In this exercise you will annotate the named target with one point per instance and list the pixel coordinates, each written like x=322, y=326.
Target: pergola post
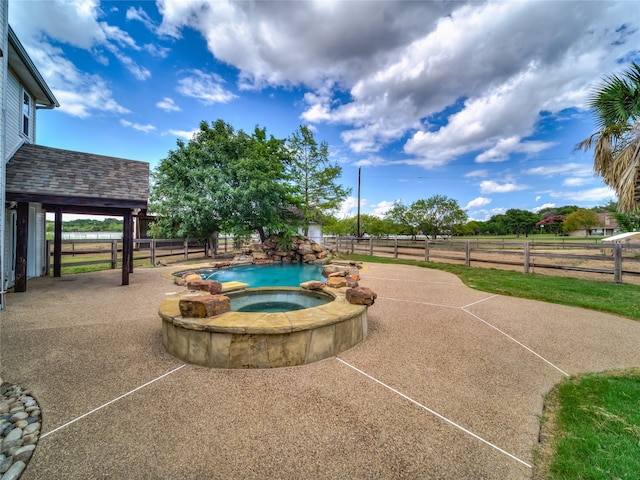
x=22, y=242
x=57, y=243
x=127, y=247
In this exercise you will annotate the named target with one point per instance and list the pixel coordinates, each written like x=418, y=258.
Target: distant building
x=608, y=226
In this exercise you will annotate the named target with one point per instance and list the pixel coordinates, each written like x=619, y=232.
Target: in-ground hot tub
x=276, y=300
x=262, y=339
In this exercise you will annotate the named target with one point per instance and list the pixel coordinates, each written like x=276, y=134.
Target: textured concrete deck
x=448, y=384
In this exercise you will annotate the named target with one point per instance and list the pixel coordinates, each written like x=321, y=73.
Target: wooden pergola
x=65, y=181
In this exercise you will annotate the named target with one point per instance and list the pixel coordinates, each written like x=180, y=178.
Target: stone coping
x=262, y=323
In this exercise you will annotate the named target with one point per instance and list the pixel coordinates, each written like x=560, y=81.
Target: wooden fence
x=593, y=260
x=95, y=252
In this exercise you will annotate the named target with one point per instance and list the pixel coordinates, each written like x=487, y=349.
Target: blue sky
x=479, y=101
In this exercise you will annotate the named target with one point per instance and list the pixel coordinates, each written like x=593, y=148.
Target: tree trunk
x=213, y=244
x=262, y=235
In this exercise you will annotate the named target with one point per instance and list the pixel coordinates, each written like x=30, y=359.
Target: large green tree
x=400, y=220
x=615, y=103
x=520, y=221
x=437, y=215
x=314, y=177
x=222, y=180
x=581, y=219
x=496, y=225
x=369, y=225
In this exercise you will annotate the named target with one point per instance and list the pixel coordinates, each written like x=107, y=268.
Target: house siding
x=14, y=115
x=11, y=89
x=5, y=243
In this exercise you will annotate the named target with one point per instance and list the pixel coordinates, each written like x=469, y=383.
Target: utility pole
x=358, y=228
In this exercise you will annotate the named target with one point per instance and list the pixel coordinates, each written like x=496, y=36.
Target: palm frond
x=624, y=173
x=603, y=157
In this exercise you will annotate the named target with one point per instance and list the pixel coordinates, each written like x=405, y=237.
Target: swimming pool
x=275, y=275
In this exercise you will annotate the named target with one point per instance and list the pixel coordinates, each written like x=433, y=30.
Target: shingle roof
x=39, y=170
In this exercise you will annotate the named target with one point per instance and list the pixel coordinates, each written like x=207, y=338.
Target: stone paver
x=448, y=384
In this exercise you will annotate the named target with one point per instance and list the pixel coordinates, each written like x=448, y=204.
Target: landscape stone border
x=20, y=425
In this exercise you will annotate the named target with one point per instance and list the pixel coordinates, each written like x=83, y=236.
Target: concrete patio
x=449, y=384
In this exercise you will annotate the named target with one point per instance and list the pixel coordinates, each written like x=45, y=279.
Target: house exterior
x=22, y=92
x=608, y=225
x=36, y=179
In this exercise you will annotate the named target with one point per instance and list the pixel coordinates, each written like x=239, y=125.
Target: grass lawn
x=591, y=425
x=620, y=299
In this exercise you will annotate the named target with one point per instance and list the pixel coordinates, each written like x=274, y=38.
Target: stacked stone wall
x=272, y=250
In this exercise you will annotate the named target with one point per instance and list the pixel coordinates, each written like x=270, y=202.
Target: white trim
x=31, y=114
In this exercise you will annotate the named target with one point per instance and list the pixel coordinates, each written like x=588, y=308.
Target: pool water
x=272, y=301
x=276, y=275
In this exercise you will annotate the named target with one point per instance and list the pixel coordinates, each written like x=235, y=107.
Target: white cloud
x=206, y=87
x=381, y=208
x=576, y=181
x=140, y=15
x=139, y=72
x=137, y=126
x=542, y=207
x=600, y=194
x=349, y=207
x=538, y=197
x=156, y=50
x=168, y=105
x=477, y=203
x=76, y=23
x=79, y=94
x=186, y=134
x=385, y=66
x=372, y=161
x=551, y=170
x=380, y=72
x=477, y=174
x=506, y=146
x=484, y=215
x=491, y=186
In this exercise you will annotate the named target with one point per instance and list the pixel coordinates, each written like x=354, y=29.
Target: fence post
x=395, y=247
x=186, y=250
x=152, y=250
x=426, y=250
x=371, y=246
x=526, y=257
x=114, y=254
x=617, y=262
x=467, y=259
x=353, y=245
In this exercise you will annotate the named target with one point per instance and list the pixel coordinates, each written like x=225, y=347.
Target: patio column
x=57, y=243
x=22, y=243
x=127, y=247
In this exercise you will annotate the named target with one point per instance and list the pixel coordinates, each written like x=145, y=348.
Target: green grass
x=619, y=299
x=595, y=433
x=597, y=427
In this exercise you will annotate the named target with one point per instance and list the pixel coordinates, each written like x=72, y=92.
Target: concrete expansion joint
x=465, y=308
x=434, y=413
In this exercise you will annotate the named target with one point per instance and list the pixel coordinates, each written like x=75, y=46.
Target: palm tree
x=616, y=157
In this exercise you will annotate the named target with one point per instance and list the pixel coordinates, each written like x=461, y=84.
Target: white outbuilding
x=627, y=237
